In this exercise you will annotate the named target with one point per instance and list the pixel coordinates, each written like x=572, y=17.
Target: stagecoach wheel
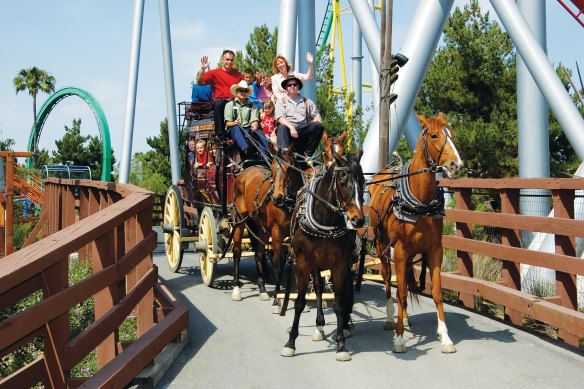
x=208, y=233
x=172, y=225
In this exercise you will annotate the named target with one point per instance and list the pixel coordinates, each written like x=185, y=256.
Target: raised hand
x=309, y=58
x=205, y=62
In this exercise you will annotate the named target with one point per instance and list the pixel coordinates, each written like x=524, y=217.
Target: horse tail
x=289, y=264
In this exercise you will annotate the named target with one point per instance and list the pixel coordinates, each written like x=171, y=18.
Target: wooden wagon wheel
x=208, y=234
x=173, y=224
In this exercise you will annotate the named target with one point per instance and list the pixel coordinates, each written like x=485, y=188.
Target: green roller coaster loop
x=48, y=106
x=325, y=29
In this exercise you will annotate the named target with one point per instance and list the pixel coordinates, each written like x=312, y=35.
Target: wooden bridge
x=238, y=343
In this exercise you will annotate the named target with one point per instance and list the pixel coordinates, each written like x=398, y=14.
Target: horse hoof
x=318, y=335
x=264, y=296
x=343, y=356
x=406, y=322
x=236, y=297
x=448, y=348
x=275, y=309
x=399, y=348
x=347, y=333
x=389, y=325
x=288, y=352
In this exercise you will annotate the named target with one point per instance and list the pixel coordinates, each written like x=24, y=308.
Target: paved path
x=238, y=344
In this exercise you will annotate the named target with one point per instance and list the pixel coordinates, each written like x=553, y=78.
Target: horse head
x=438, y=145
x=330, y=144
x=348, y=184
x=286, y=175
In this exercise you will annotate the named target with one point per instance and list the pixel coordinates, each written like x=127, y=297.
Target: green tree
x=472, y=79
x=80, y=150
x=260, y=50
x=34, y=80
x=7, y=144
x=152, y=170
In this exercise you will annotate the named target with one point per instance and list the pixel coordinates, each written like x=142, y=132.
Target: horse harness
x=304, y=217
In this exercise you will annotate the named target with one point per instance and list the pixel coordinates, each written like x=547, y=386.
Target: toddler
x=267, y=120
x=202, y=160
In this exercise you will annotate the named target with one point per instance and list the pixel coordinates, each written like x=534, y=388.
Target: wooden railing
x=560, y=311
x=110, y=225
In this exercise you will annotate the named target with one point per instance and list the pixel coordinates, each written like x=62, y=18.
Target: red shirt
x=221, y=81
x=202, y=158
x=268, y=124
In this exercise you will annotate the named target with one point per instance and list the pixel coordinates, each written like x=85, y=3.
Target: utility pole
x=385, y=82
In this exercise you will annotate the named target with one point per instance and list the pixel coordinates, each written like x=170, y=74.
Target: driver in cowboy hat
x=243, y=115
x=298, y=119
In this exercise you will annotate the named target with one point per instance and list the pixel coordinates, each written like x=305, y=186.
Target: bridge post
x=566, y=287
x=511, y=270
x=462, y=197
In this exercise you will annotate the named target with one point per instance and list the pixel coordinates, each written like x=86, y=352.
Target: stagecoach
x=198, y=208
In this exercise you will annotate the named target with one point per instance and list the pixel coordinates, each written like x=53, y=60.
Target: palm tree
x=34, y=79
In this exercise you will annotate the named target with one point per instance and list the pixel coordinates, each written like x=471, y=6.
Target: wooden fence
x=111, y=225
x=561, y=310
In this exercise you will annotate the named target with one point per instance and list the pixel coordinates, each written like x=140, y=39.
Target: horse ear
x=441, y=116
x=343, y=137
x=422, y=120
x=359, y=154
x=290, y=150
x=324, y=137
x=272, y=148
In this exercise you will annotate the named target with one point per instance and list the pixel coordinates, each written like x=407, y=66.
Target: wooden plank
x=464, y=231
x=109, y=322
x=50, y=308
x=569, y=320
x=565, y=263
x=513, y=183
x=38, y=228
x=549, y=225
x=128, y=364
x=31, y=260
x=21, y=342
x=19, y=292
x=510, y=238
x=26, y=377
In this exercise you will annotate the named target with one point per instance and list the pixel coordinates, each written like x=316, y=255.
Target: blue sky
x=86, y=44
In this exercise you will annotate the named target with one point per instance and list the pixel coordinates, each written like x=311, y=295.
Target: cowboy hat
x=241, y=85
x=291, y=77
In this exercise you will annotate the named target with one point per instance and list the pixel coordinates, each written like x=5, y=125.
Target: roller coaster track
x=29, y=186
x=325, y=27
x=579, y=16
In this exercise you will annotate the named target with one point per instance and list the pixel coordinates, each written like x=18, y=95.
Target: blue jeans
x=236, y=133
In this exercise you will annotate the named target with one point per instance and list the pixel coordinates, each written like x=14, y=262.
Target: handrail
x=111, y=224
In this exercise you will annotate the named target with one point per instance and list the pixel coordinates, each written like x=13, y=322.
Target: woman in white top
x=282, y=70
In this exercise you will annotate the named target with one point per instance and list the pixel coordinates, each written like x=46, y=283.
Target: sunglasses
x=291, y=85
x=242, y=90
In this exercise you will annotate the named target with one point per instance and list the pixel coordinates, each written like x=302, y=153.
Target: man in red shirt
x=221, y=80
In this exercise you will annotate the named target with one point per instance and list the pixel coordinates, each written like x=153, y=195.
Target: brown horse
x=264, y=201
x=328, y=144
x=323, y=237
x=406, y=214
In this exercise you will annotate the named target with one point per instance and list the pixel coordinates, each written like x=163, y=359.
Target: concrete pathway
x=238, y=344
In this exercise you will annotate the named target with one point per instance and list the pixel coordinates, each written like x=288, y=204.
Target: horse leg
x=318, y=288
x=302, y=276
x=434, y=263
x=350, y=300
x=237, y=236
x=340, y=306
x=277, y=247
x=386, y=275
x=400, y=259
x=260, y=248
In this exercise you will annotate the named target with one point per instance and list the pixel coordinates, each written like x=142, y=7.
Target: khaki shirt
x=296, y=111
x=247, y=113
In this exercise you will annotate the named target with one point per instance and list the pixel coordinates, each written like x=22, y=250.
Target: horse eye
x=434, y=136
